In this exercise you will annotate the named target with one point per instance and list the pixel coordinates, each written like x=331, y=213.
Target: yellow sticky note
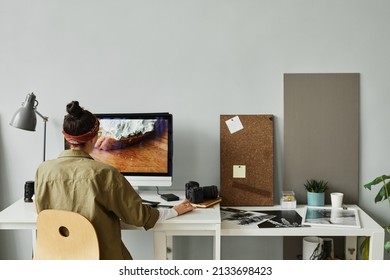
x=239, y=171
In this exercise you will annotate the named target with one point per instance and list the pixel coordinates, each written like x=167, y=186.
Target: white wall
x=195, y=58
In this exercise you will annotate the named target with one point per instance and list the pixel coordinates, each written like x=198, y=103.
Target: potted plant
x=316, y=192
x=382, y=195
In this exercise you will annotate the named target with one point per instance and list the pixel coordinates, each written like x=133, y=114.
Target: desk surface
x=368, y=226
x=22, y=215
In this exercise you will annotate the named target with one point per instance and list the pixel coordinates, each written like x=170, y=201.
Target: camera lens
x=210, y=192
x=28, y=191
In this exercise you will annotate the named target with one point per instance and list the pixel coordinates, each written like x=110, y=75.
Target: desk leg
x=34, y=241
x=377, y=243
x=169, y=247
x=160, y=245
x=350, y=247
x=217, y=243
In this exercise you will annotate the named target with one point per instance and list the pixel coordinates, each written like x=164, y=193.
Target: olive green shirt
x=75, y=182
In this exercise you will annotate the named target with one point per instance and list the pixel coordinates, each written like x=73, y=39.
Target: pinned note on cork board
x=246, y=155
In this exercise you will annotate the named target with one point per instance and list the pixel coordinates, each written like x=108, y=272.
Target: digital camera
x=196, y=194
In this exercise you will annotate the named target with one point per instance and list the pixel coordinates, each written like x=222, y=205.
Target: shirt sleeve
x=125, y=202
x=166, y=214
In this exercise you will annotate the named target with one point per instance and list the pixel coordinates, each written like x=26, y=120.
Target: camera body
x=197, y=194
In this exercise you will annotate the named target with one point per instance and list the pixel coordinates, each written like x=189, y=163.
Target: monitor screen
x=139, y=145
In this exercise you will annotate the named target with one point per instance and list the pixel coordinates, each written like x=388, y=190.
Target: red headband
x=83, y=138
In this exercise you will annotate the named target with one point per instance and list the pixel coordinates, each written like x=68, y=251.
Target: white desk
x=368, y=228
x=199, y=222
x=22, y=215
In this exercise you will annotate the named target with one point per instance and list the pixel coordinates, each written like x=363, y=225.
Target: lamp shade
x=25, y=117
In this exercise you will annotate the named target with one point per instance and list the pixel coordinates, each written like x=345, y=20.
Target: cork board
x=246, y=153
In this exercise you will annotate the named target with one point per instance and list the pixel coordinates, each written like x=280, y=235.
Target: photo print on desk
x=331, y=217
x=242, y=217
x=282, y=219
x=261, y=219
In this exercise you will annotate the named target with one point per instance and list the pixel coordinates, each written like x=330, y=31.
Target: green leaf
x=316, y=186
x=383, y=193
x=376, y=181
x=387, y=246
x=365, y=248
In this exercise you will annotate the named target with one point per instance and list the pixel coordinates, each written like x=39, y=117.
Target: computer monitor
x=139, y=145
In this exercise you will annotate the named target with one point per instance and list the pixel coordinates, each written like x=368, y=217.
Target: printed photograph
x=327, y=216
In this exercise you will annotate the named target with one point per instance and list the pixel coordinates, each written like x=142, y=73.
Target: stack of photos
x=282, y=219
x=261, y=219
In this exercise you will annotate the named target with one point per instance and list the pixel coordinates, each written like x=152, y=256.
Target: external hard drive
x=169, y=197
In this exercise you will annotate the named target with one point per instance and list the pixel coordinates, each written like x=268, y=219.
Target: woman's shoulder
x=104, y=167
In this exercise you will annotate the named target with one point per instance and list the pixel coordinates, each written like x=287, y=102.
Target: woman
x=76, y=182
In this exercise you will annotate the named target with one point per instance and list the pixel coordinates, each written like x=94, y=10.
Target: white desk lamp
x=25, y=118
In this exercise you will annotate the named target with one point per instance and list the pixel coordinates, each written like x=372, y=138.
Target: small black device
x=197, y=194
x=169, y=197
x=28, y=191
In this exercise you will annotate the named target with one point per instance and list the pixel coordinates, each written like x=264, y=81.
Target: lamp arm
x=45, y=119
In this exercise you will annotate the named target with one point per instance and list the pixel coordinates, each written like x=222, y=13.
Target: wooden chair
x=65, y=235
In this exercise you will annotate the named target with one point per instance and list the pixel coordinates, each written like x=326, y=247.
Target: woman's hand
x=184, y=207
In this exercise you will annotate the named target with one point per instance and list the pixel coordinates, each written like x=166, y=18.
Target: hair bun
x=74, y=109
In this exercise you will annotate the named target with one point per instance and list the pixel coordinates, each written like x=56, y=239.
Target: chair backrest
x=65, y=235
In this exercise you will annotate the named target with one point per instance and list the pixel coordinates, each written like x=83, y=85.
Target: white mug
x=336, y=199
x=312, y=248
